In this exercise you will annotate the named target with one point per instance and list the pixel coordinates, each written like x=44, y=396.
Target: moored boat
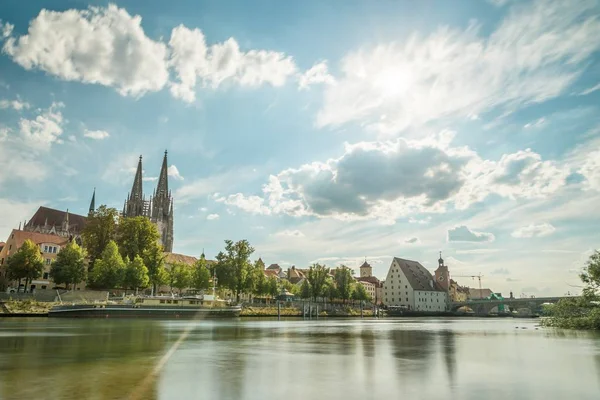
x=191, y=307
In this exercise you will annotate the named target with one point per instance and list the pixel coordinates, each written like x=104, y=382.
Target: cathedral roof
x=56, y=218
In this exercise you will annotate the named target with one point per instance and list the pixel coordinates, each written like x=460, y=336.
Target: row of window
x=386, y=300
x=50, y=249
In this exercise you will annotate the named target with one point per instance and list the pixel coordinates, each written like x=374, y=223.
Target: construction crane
x=473, y=277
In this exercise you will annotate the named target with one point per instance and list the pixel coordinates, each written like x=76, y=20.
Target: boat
x=165, y=307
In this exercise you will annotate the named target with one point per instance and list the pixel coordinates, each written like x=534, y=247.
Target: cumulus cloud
x=16, y=105
x=464, y=234
x=423, y=176
x=212, y=217
x=106, y=46
x=317, y=74
x=534, y=230
x=289, y=233
x=195, y=62
x=96, y=135
x=537, y=52
x=39, y=133
x=173, y=172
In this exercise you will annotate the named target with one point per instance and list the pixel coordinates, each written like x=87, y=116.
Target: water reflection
x=266, y=359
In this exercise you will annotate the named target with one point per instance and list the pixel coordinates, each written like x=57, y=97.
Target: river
x=268, y=359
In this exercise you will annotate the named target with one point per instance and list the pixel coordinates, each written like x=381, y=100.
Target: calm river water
x=325, y=359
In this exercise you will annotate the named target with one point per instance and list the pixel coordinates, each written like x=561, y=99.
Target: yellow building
x=457, y=293
x=50, y=246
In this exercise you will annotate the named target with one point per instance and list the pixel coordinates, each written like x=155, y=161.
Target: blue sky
x=319, y=131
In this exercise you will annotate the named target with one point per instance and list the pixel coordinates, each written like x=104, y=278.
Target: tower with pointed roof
x=442, y=274
x=92, y=204
x=158, y=208
x=366, y=270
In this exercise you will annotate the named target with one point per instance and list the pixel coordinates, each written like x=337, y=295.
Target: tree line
x=124, y=253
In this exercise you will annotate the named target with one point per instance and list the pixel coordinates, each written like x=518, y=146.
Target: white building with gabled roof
x=410, y=285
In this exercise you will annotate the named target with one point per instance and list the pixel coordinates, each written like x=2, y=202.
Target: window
x=392, y=299
x=46, y=275
x=2, y=261
x=10, y=247
x=48, y=261
x=46, y=249
x=407, y=299
x=406, y=286
x=44, y=287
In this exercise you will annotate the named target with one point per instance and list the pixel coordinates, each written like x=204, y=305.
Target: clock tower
x=442, y=275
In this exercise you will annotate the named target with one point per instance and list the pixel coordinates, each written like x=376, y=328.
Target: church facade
x=158, y=207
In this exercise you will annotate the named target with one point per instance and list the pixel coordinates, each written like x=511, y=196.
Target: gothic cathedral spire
x=92, y=204
x=162, y=189
x=137, y=190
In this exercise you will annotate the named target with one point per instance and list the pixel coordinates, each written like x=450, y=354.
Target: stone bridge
x=485, y=306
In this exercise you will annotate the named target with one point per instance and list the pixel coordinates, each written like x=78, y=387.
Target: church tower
x=442, y=275
x=159, y=208
x=366, y=270
x=162, y=208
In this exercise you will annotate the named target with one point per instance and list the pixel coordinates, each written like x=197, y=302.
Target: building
x=409, y=285
x=279, y=271
x=295, y=275
x=370, y=289
x=158, y=208
x=366, y=275
x=56, y=222
x=49, y=244
x=475, y=294
x=457, y=293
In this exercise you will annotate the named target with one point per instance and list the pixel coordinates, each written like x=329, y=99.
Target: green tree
x=343, y=282
x=305, y=290
x=136, y=274
x=135, y=236
x=330, y=290
x=256, y=281
x=26, y=263
x=360, y=293
x=154, y=260
x=233, y=266
x=286, y=285
x=317, y=276
x=201, y=274
x=109, y=270
x=580, y=312
x=591, y=276
x=180, y=276
x=69, y=267
x=272, y=287
x=99, y=230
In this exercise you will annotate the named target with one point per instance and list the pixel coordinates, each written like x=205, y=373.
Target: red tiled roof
x=37, y=238
x=274, y=266
x=270, y=272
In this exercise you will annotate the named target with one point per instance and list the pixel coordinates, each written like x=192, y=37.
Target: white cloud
x=498, y=3
x=12, y=212
x=289, y=233
x=590, y=90
x=536, y=124
x=535, y=54
x=173, y=172
x=5, y=29
x=72, y=138
x=464, y=234
x=421, y=221
x=412, y=240
x=96, y=135
x=478, y=251
x=422, y=176
x=45, y=129
x=16, y=105
x=212, y=217
x=211, y=66
x=534, y=230
x=203, y=209
x=150, y=178
x=106, y=46
x=317, y=74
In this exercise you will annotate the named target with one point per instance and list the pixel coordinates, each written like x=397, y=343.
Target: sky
x=320, y=131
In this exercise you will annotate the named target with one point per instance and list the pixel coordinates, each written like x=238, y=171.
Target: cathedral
x=158, y=208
